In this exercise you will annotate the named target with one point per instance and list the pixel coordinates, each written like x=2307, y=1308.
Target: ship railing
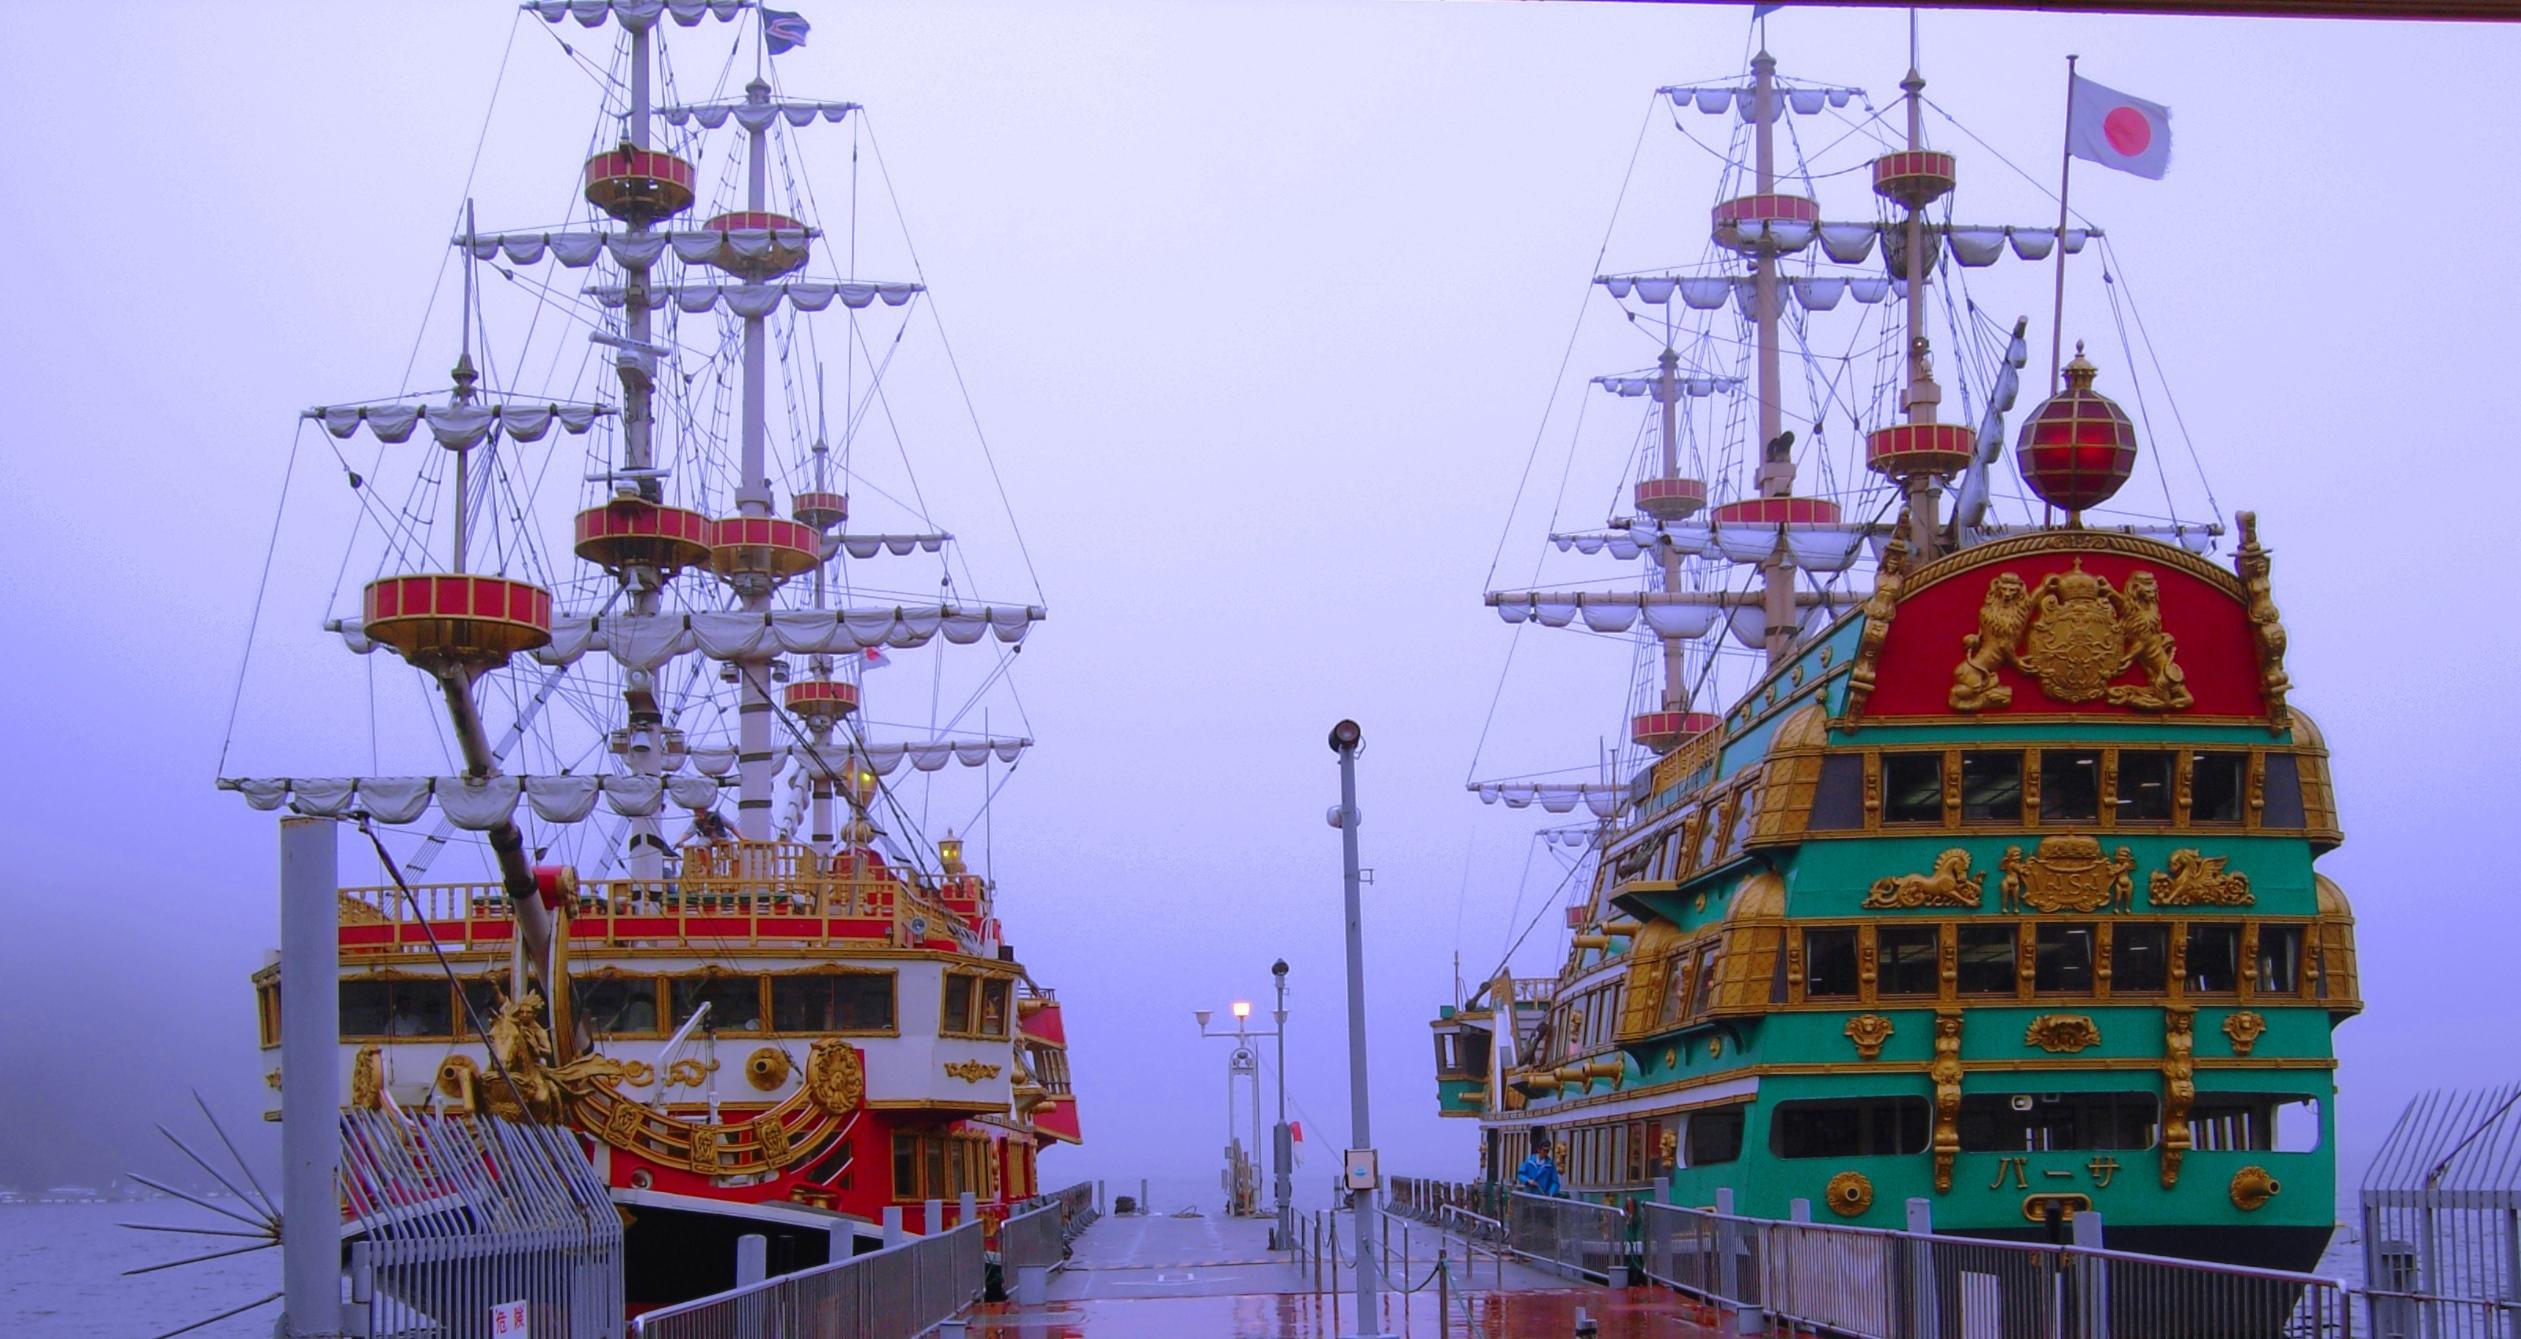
x=1576, y=1236
x=1037, y=1238
x=1076, y=1205
x=895, y=1293
x=628, y=911
x=1881, y=1284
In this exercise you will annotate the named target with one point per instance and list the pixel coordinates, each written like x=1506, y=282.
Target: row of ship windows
x=943, y=1166
x=1710, y=835
x=2113, y=787
x=2056, y=958
x=1634, y=1154
x=816, y=1004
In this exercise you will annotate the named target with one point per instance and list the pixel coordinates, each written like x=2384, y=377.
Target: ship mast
x=1921, y=398
x=644, y=746
x=752, y=499
x=1775, y=477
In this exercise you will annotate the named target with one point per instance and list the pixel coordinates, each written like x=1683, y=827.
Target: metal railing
x=1899, y=1285
x=460, y=1217
x=1076, y=1203
x=1036, y=1238
x=2441, y=1219
x=1589, y=1239
x=899, y=1292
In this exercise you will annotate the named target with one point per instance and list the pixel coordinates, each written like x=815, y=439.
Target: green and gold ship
x=1991, y=881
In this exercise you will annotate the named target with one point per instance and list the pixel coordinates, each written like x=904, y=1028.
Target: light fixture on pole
x=1359, y=1174
x=1244, y=1062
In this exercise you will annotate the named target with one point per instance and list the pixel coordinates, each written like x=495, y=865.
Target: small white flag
x=2108, y=127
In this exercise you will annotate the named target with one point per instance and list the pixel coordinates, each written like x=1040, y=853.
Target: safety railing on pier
x=1036, y=1238
x=2441, y=1219
x=896, y=1293
x=1900, y=1285
x=1586, y=1238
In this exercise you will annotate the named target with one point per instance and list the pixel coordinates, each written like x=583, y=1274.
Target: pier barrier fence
x=1037, y=1238
x=896, y=1293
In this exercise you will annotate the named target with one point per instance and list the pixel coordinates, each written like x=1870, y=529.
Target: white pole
x=2065, y=178
x=752, y=498
x=1344, y=740
x=310, y=1079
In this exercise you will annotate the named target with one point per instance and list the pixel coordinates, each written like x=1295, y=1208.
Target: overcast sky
x=1260, y=304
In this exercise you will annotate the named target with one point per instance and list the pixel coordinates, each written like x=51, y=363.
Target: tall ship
x=687, y=711
x=1957, y=842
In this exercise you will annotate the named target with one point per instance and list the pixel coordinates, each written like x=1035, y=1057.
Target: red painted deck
x=1206, y=1276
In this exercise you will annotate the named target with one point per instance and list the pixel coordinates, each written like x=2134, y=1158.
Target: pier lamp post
x=1282, y=1147
x=1359, y=1175
x=1246, y=1061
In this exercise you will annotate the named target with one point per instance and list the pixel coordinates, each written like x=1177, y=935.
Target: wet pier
x=1202, y=1276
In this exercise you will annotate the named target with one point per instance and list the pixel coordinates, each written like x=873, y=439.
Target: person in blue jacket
x=1538, y=1175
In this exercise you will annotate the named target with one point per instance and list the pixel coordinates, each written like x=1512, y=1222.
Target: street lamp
x=1245, y=1060
x=1360, y=1174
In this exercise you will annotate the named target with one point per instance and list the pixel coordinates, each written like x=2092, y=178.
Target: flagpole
x=2065, y=178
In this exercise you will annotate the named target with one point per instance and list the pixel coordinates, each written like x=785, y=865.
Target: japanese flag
x=2108, y=127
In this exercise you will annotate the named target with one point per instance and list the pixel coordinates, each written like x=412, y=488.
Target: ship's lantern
x=1913, y=177
x=634, y=532
x=638, y=186
x=823, y=511
x=1774, y=224
x=821, y=702
x=1920, y=450
x=2078, y=447
x=755, y=245
x=765, y=549
x=439, y=620
x=1671, y=499
x=1664, y=731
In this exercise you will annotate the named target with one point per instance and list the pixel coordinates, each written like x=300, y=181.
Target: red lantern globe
x=2078, y=447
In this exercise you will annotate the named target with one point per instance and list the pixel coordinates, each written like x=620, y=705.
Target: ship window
x=1986, y=965
x=1838, y=802
x=1848, y=1128
x=958, y=1003
x=975, y=1006
x=2214, y=958
x=1710, y=821
x=613, y=1006
x=993, y=1006
x=2144, y=786
x=2214, y=787
x=2279, y=960
x=2283, y=794
x=1991, y=787
x=735, y=1002
x=2070, y=786
x=1675, y=1003
x=1912, y=787
x=267, y=1001
x=1703, y=983
x=2050, y=1122
x=1829, y=964
x=485, y=995
x=2062, y=964
x=396, y=1008
x=1906, y=957
x=2140, y=959
x=1714, y=1136
x=832, y=1002
x=2255, y=1122
x=1745, y=810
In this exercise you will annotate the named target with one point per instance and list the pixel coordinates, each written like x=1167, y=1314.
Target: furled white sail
x=456, y=425
x=1695, y=385
x=1743, y=100
x=1556, y=797
x=577, y=248
x=806, y=295
x=867, y=546
x=645, y=641
x=636, y=15
x=755, y=115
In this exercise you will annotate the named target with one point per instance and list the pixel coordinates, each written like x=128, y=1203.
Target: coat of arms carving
x=2068, y=873
x=2072, y=633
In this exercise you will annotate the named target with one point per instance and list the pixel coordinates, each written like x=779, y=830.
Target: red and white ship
x=717, y=917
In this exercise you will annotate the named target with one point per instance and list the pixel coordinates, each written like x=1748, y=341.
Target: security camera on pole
x=1360, y=1176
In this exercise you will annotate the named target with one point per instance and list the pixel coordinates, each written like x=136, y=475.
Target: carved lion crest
x=2196, y=879
x=2073, y=633
x=1950, y=884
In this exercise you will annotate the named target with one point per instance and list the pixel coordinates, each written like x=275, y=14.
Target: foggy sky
x=1260, y=303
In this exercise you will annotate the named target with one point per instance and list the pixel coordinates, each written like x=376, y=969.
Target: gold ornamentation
x=709, y=1145
x=2061, y=1033
x=273, y=1079
x=1890, y=575
x=2072, y=634
x=1715, y=1048
x=457, y=1075
x=2251, y=1188
x=2244, y=1027
x=2035, y=1207
x=689, y=1072
x=1670, y=1145
x=1868, y=1032
x=970, y=1071
x=2196, y=879
x=1950, y=885
x=1671, y=1057
x=1849, y=1194
x=1945, y=1071
x=2266, y=625
x=2068, y=874
x=519, y=1087
x=773, y=1138
x=2179, y=1088
x=834, y=1077
x=367, y=1078
x=767, y=1068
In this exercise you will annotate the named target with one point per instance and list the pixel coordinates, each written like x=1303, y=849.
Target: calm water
x=61, y=1265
